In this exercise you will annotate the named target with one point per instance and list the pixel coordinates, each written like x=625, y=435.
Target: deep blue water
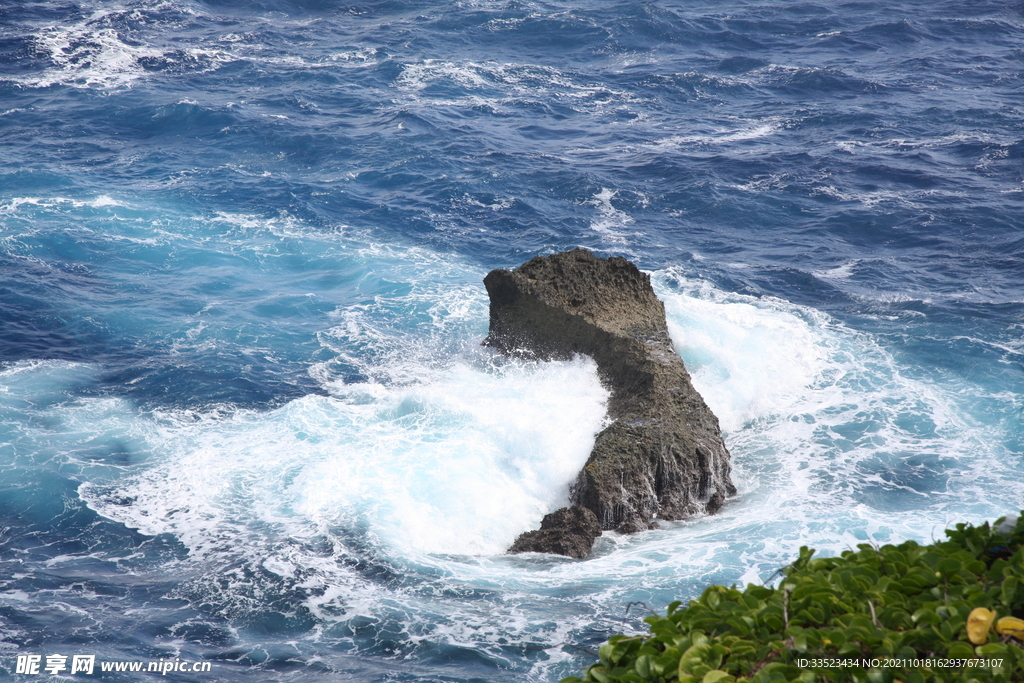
x=244, y=413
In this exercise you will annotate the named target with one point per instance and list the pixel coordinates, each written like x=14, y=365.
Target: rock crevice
x=663, y=456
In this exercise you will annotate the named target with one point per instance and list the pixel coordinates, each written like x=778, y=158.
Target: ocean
x=247, y=428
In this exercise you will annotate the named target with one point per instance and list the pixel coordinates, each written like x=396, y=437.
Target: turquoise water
x=245, y=416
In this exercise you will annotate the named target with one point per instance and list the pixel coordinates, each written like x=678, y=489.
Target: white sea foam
x=897, y=147
x=831, y=441
x=435, y=445
x=85, y=55
x=725, y=135
x=749, y=358
x=357, y=57
x=502, y=85
x=90, y=54
x=842, y=272
x=499, y=204
x=871, y=199
x=610, y=220
x=765, y=183
x=15, y=204
x=459, y=464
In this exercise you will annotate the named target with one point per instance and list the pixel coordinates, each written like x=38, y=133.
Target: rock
x=663, y=455
x=566, y=531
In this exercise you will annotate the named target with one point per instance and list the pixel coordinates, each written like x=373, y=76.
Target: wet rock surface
x=663, y=456
x=567, y=531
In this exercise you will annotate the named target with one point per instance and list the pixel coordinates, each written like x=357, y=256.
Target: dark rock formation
x=663, y=455
x=566, y=531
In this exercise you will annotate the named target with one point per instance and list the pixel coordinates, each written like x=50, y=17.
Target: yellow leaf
x=978, y=623
x=1011, y=626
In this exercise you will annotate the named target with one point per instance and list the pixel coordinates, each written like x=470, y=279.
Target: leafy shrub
x=876, y=615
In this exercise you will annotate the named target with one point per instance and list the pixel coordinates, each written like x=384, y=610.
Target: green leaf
x=667, y=662
x=960, y=650
x=718, y=676
x=876, y=676
x=694, y=657
x=700, y=669
x=645, y=666
x=1008, y=590
x=924, y=616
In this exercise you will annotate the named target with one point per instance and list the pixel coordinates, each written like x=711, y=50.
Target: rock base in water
x=566, y=531
x=663, y=455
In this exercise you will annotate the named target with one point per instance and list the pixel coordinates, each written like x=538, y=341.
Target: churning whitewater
x=246, y=419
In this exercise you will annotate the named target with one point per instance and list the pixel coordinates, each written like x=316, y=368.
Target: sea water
x=245, y=416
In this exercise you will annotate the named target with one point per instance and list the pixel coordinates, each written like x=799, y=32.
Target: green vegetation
x=877, y=615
